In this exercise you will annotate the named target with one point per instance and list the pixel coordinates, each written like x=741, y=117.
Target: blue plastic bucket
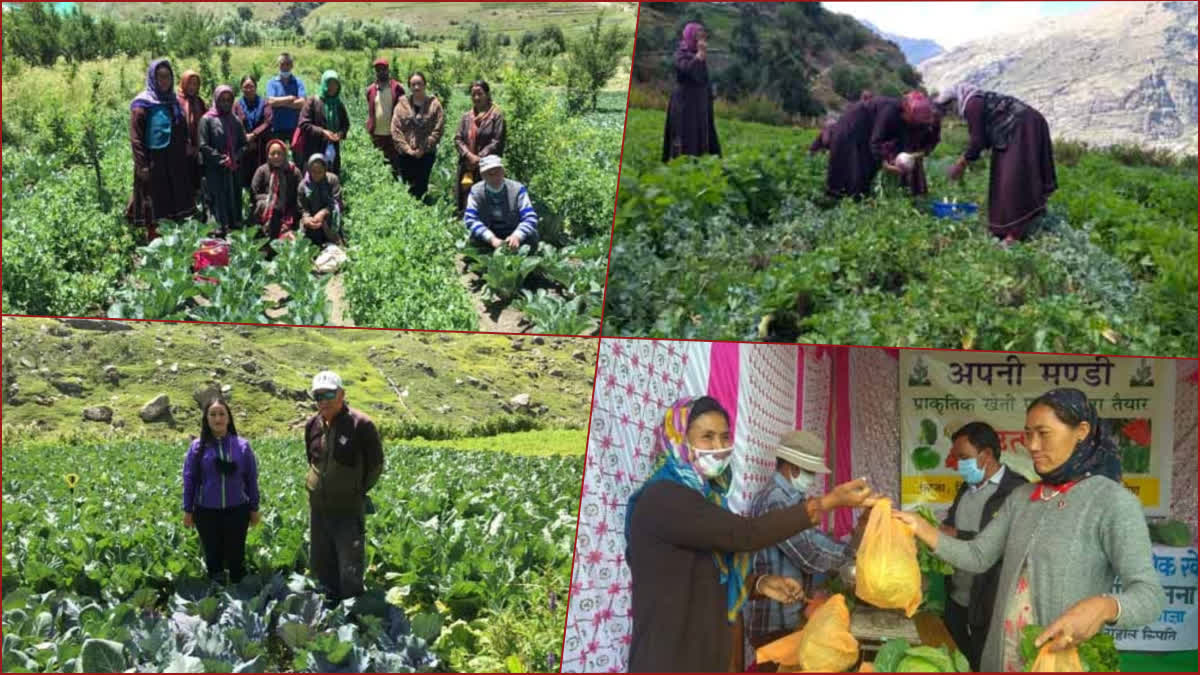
x=956, y=211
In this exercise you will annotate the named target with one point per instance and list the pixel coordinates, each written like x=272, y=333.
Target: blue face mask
x=970, y=471
x=285, y=75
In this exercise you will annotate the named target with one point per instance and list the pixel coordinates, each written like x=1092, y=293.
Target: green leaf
x=102, y=656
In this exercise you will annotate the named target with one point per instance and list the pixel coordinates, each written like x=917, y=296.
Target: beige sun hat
x=804, y=449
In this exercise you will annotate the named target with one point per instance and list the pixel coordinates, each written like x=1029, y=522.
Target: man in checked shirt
x=797, y=463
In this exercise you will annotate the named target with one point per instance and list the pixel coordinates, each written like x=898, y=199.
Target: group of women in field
x=894, y=134
x=193, y=159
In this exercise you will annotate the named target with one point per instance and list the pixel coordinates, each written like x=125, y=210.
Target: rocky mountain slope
x=111, y=379
x=1120, y=73
x=915, y=50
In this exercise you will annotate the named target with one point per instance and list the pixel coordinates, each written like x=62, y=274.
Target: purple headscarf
x=690, y=31
x=151, y=97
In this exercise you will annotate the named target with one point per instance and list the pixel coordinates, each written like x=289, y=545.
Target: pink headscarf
x=918, y=108
x=690, y=31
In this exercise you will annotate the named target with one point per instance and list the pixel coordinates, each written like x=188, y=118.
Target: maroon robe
x=1022, y=175
x=691, y=128
x=313, y=122
x=162, y=188
x=867, y=134
x=194, y=108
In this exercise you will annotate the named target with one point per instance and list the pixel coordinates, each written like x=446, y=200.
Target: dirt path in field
x=339, y=310
x=492, y=318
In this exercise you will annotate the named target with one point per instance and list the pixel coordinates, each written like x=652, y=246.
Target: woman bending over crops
x=220, y=492
x=320, y=200
x=256, y=117
x=690, y=555
x=918, y=142
x=275, y=190
x=870, y=135
x=691, y=128
x=324, y=122
x=1022, y=175
x=158, y=134
x=1062, y=540
x=481, y=132
x=222, y=141
x=417, y=126
x=194, y=108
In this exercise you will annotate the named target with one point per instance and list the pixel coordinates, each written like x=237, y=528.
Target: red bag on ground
x=212, y=253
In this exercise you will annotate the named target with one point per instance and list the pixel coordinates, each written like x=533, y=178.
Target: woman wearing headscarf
x=324, y=122
x=158, y=135
x=691, y=128
x=690, y=555
x=194, y=108
x=275, y=189
x=481, y=132
x=220, y=492
x=418, y=123
x=1063, y=540
x=1022, y=175
x=222, y=141
x=868, y=136
x=256, y=117
x=919, y=140
x=320, y=200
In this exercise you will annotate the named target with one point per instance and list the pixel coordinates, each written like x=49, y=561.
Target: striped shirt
x=515, y=212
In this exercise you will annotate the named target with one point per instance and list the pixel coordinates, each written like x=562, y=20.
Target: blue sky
x=953, y=23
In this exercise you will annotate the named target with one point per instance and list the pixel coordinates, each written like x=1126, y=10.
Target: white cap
x=325, y=381
x=490, y=162
x=803, y=449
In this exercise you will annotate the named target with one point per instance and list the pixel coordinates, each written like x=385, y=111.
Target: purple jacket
x=206, y=487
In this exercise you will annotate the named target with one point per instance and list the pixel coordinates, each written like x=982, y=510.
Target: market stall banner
x=941, y=391
x=1175, y=629
x=759, y=385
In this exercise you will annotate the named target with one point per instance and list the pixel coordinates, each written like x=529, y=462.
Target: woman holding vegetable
x=870, y=135
x=220, y=491
x=690, y=556
x=1062, y=540
x=1022, y=175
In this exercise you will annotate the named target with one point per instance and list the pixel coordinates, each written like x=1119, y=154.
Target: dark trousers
x=223, y=538
x=969, y=638
x=414, y=171
x=338, y=553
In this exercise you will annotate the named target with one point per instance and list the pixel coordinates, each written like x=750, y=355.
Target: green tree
x=32, y=33
x=594, y=59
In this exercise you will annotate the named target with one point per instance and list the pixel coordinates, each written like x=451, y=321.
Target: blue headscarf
x=674, y=464
x=152, y=97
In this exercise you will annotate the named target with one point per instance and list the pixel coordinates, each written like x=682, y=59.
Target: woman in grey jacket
x=1063, y=540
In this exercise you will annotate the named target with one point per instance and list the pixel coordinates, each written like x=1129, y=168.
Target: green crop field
x=68, y=176
x=747, y=247
x=468, y=557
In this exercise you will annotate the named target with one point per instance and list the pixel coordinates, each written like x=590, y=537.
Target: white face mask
x=803, y=481
x=712, y=463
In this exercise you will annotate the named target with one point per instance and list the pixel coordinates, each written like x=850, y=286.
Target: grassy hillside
x=53, y=372
x=428, y=18
x=766, y=49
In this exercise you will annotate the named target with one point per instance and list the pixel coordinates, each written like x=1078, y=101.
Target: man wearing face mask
x=986, y=484
x=798, y=463
x=285, y=95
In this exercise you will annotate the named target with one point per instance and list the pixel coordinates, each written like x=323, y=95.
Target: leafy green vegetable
x=1171, y=533
x=925, y=458
x=889, y=656
x=917, y=664
x=930, y=563
x=1098, y=654
x=929, y=432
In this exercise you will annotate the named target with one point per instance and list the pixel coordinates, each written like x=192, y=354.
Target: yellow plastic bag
x=824, y=645
x=1064, y=661
x=886, y=571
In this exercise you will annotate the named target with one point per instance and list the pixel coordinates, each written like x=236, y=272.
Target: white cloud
x=949, y=23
